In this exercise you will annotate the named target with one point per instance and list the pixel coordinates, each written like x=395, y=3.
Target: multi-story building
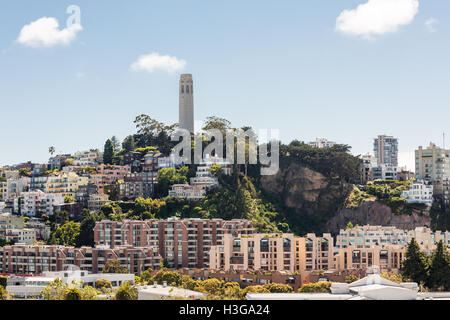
x=322, y=143
x=365, y=237
x=313, y=252
x=387, y=257
x=171, y=161
x=28, y=259
x=65, y=184
x=186, y=191
x=433, y=164
x=368, y=236
x=135, y=185
x=108, y=174
x=96, y=201
x=368, y=162
x=386, y=150
x=182, y=243
x=88, y=158
x=419, y=192
x=384, y=172
x=133, y=160
x=57, y=162
x=36, y=203
x=10, y=221
x=23, y=235
x=268, y=252
x=13, y=187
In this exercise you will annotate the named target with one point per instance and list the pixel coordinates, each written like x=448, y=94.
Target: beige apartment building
x=433, y=164
x=273, y=252
x=182, y=243
x=388, y=257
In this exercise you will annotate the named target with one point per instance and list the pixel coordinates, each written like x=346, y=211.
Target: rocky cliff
x=313, y=202
x=375, y=213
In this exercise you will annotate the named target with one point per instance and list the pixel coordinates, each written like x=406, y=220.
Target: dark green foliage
x=415, y=266
x=66, y=235
x=439, y=270
x=86, y=236
x=108, y=152
x=127, y=292
x=3, y=281
x=128, y=144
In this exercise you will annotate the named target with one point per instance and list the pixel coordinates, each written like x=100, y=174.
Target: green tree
x=114, y=266
x=129, y=144
x=86, y=236
x=66, y=235
x=147, y=275
x=349, y=226
x=439, y=270
x=414, y=266
x=116, y=144
x=108, y=152
x=172, y=278
x=127, y=292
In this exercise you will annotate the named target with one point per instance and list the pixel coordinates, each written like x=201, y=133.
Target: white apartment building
x=365, y=237
x=419, y=192
x=95, y=201
x=384, y=172
x=386, y=150
x=171, y=161
x=37, y=203
x=368, y=162
x=13, y=187
x=87, y=159
x=322, y=143
x=10, y=221
x=20, y=236
x=433, y=164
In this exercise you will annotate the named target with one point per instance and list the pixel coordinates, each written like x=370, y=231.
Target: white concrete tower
x=186, y=118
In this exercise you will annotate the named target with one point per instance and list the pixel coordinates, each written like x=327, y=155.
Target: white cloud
x=430, y=23
x=377, y=17
x=45, y=32
x=154, y=61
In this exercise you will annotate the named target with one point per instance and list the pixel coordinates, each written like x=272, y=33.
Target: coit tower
x=186, y=118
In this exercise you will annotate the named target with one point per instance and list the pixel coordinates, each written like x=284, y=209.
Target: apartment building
x=384, y=172
x=171, y=161
x=65, y=184
x=314, y=253
x=365, y=237
x=13, y=187
x=386, y=150
x=186, y=191
x=96, y=201
x=108, y=174
x=27, y=259
x=322, y=143
x=23, y=235
x=87, y=158
x=182, y=243
x=368, y=162
x=420, y=192
x=388, y=258
x=57, y=162
x=267, y=252
x=433, y=164
x=136, y=185
x=10, y=221
x=35, y=203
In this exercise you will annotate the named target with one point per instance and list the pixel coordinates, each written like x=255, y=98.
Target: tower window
x=187, y=89
x=182, y=89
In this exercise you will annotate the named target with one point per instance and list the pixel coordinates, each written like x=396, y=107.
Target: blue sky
x=268, y=64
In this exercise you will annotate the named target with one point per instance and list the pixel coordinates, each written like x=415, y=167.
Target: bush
x=278, y=288
x=318, y=287
x=103, y=284
x=3, y=281
x=127, y=292
x=72, y=294
x=3, y=293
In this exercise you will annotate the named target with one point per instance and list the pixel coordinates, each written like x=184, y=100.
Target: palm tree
x=51, y=150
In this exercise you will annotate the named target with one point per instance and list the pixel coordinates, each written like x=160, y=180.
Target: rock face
x=306, y=193
x=313, y=202
x=376, y=213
